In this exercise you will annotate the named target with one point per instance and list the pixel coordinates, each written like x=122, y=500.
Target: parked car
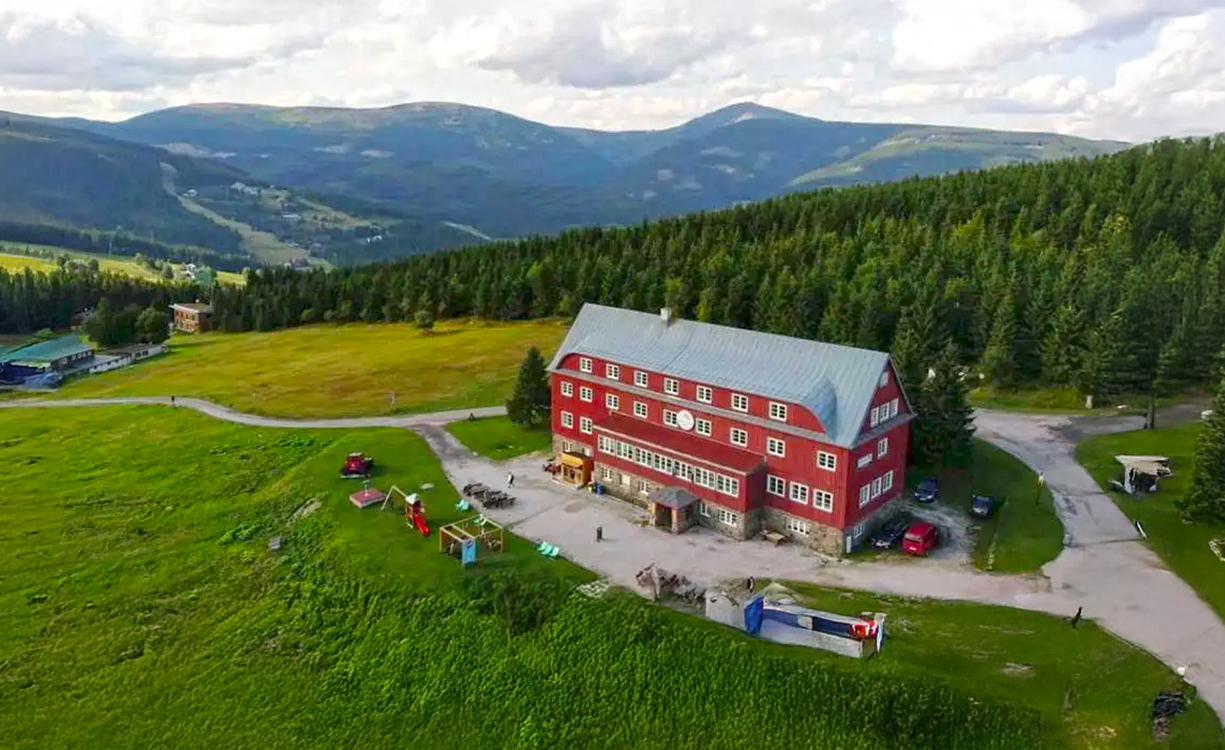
x=891, y=532
x=982, y=506
x=928, y=490
x=920, y=539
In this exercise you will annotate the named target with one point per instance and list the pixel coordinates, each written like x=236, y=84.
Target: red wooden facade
x=581, y=413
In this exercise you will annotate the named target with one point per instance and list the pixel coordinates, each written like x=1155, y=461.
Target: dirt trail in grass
x=217, y=411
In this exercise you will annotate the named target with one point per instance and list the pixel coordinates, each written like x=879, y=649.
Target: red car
x=920, y=539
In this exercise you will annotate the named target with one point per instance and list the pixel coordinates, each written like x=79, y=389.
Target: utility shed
x=775, y=615
x=1140, y=473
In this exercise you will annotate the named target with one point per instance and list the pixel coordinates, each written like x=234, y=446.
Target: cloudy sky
x=1126, y=69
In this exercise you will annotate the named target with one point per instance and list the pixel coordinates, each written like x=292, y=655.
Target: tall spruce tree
x=1063, y=349
x=1000, y=359
x=1205, y=499
x=529, y=402
x=945, y=427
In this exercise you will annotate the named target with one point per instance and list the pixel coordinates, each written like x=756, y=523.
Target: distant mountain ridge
x=507, y=176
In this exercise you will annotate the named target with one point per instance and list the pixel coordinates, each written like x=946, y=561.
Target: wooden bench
x=774, y=537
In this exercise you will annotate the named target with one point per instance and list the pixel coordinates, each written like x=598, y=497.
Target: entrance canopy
x=673, y=497
x=574, y=459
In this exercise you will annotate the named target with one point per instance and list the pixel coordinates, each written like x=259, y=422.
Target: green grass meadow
x=1183, y=546
x=326, y=371
x=1092, y=690
x=140, y=606
x=498, y=438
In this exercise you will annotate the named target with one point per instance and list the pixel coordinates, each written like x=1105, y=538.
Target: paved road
x=229, y=415
x=1104, y=568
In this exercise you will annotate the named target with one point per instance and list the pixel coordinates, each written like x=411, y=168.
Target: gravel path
x=1119, y=580
x=218, y=411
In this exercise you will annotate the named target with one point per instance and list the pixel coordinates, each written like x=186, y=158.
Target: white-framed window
x=799, y=493
x=827, y=461
x=776, y=485
x=876, y=487
x=776, y=447
x=703, y=510
x=893, y=408
x=585, y=394
x=740, y=402
x=567, y=388
x=875, y=417
x=703, y=427
x=669, y=417
x=796, y=526
x=739, y=437
x=884, y=379
x=865, y=495
x=607, y=444
x=728, y=486
x=864, y=460
x=612, y=401
x=822, y=500
x=727, y=518
x=882, y=447
x=584, y=425
x=640, y=379
x=566, y=445
x=706, y=394
x=640, y=410
x=778, y=411
x=606, y=474
x=567, y=420
x=584, y=364
x=612, y=372
x=671, y=386
x=644, y=487
x=888, y=484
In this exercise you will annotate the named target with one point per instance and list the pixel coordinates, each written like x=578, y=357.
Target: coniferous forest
x=1105, y=275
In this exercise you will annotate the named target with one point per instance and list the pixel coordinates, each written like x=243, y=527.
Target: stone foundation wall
x=824, y=539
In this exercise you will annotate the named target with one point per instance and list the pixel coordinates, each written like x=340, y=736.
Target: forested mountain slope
x=510, y=177
x=1106, y=274
x=68, y=187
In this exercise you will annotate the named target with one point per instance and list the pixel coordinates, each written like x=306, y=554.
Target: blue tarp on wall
x=753, y=615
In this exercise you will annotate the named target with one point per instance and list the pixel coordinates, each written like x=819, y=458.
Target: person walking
x=1076, y=617
x=172, y=400
x=599, y=533
x=510, y=479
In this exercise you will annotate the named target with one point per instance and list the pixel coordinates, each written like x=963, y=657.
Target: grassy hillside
x=1183, y=546
x=337, y=371
x=19, y=256
x=140, y=583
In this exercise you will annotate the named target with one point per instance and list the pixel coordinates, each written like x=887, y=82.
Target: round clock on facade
x=684, y=420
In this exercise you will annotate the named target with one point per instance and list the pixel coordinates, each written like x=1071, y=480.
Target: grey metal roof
x=835, y=382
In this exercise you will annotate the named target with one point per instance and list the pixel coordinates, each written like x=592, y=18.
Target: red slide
x=419, y=522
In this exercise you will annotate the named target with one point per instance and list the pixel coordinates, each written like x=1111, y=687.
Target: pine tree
x=1000, y=360
x=944, y=430
x=1109, y=363
x=1063, y=349
x=1205, y=500
x=529, y=403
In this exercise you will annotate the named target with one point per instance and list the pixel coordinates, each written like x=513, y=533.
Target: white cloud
x=1133, y=69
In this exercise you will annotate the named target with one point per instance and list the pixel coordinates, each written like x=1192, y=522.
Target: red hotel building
x=731, y=429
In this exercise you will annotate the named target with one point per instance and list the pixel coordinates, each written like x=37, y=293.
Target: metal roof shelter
x=673, y=497
x=46, y=352
x=835, y=382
